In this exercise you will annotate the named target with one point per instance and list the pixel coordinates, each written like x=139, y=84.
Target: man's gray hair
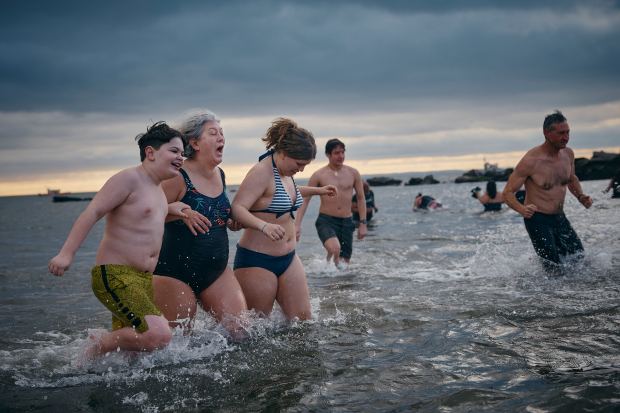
x=193, y=126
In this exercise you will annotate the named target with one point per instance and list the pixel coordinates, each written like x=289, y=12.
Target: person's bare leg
x=332, y=245
x=293, y=295
x=259, y=288
x=225, y=299
x=157, y=336
x=175, y=300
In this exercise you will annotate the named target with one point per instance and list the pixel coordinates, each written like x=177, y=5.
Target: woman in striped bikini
x=266, y=264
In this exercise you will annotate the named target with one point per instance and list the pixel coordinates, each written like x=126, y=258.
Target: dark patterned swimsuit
x=197, y=260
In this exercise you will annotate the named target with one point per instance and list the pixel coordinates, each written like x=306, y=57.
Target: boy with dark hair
x=135, y=208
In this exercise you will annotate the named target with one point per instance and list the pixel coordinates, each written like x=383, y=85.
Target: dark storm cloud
x=393, y=78
x=271, y=56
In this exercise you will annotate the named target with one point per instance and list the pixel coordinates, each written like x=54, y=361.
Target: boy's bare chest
x=147, y=206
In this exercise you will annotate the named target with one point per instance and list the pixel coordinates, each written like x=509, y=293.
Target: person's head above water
x=194, y=126
x=333, y=144
x=285, y=136
x=553, y=119
x=334, y=150
x=156, y=135
x=556, y=131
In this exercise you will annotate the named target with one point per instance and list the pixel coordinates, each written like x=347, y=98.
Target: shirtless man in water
x=547, y=170
x=335, y=224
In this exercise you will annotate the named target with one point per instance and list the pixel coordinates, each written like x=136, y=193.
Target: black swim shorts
x=552, y=236
x=328, y=227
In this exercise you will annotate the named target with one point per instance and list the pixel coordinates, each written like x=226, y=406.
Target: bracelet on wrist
x=363, y=221
x=263, y=227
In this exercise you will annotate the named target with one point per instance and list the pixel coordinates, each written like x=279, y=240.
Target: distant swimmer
x=135, y=208
x=614, y=183
x=334, y=225
x=546, y=171
x=491, y=200
x=371, y=207
x=425, y=202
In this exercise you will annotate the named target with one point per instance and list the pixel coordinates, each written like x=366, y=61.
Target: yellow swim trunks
x=127, y=293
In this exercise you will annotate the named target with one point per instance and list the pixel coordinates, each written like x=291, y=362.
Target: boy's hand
x=59, y=264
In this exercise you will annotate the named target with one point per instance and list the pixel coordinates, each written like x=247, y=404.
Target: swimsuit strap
x=223, y=179
x=188, y=182
x=280, y=191
x=190, y=186
x=266, y=154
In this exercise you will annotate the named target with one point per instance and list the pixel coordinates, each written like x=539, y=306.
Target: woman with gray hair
x=193, y=262
x=266, y=264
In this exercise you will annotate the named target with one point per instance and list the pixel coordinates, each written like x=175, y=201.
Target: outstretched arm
x=309, y=191
x=113, y=193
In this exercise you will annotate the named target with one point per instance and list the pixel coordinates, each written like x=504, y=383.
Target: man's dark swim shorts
x=552, y=236
x=328, y=227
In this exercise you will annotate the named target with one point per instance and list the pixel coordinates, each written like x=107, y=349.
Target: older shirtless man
x=547, y=170
x=334, y=223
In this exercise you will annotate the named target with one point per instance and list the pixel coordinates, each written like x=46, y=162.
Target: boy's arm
x=113, y=193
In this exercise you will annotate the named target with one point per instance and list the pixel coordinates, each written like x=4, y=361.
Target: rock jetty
x=383, y=181
x=490, y=173
x=602, y=165
x=427, y=180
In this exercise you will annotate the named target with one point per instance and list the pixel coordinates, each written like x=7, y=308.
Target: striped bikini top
x=281, y=202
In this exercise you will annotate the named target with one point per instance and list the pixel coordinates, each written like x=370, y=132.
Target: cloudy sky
x=408, y=85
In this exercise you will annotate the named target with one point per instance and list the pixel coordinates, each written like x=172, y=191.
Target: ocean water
x=444, y=311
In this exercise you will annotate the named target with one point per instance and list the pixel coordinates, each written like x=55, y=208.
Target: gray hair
x=193, y=126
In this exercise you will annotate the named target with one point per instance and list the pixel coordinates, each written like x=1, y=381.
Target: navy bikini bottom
x=245, y=258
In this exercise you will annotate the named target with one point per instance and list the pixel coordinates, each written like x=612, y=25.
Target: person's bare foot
x=91, y=349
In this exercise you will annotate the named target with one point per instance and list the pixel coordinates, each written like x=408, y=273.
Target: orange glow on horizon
x=91, y=181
